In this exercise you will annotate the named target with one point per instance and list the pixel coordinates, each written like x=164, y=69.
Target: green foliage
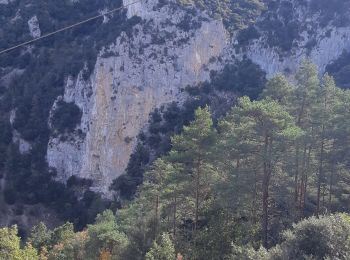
x=66, y=117
x=105, y=237
x=313, y=238
x=247, y=253
x=163, y=250
x=261, y=129
x=243, y=78
x=61, y=243
x=164, y=123
x=40, y=236
x=32, y=93
x=62, y=233
x=269, y=163
x=225, y=190
x=279, y=89
x=10, y=243
x=326, y=237
x=282, y=29
x=10, y=246
x=127, y=183
x=235, y=14
x=102, y=240
x=169, y=120
x=29, y=252
x=192, y=152
x=340, y=70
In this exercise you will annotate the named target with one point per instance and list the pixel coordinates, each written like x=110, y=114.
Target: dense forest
x=268, y=180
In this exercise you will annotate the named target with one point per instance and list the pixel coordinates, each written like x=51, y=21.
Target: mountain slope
x=152, y=67
x=75, y=104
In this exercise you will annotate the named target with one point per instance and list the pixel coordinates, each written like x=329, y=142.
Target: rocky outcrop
x=34, y=28
x=322, y=43
x=149, y=68
x=4, y=2
x=23, y=146
x=326, y=50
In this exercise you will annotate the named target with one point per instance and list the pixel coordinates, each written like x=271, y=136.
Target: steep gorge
x=165, y=47
x=130, y=84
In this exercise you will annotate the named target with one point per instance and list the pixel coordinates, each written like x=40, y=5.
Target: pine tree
x=193, y=150
x=304, y=101
x=264, y=125
x=40, y=236
x=106, y=238
x=278, y=89
x=322, y=120
x=162, y=250
x=338, y=151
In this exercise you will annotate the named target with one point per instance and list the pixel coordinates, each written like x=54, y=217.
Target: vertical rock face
x=320, y=41
x=327, y=49
x=150, y=67
x=143, y=71
x=135, y=7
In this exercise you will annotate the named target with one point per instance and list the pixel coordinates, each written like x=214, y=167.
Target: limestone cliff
x=143, y=71
x=311, y=34
x=152, y=66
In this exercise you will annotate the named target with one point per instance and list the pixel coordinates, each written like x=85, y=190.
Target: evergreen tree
x=105, y=238
x=322, y=121
x=10, y=243
x=193, y=150
x=264, y=126
x=304, y=99
x=10, y=246
x=162, y=250
x=278, y=89
x=40, y=237
x=223, y=191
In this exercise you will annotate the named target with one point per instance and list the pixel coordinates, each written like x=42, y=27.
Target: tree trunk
x=266, y=181
x=296, y=177
x=197, y=195
x=265, y=210
x=320, y=173
x=331, y=185
x=156, y=218
x=306, y=180
x=174, y=216
x=302, y=183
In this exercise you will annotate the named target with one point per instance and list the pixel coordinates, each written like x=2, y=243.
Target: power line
x=67, y=27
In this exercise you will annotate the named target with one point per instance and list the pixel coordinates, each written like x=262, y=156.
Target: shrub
x=242, y=78
x=66, y=117
x=340, y=70
x=236, y=15
x=327, y=237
